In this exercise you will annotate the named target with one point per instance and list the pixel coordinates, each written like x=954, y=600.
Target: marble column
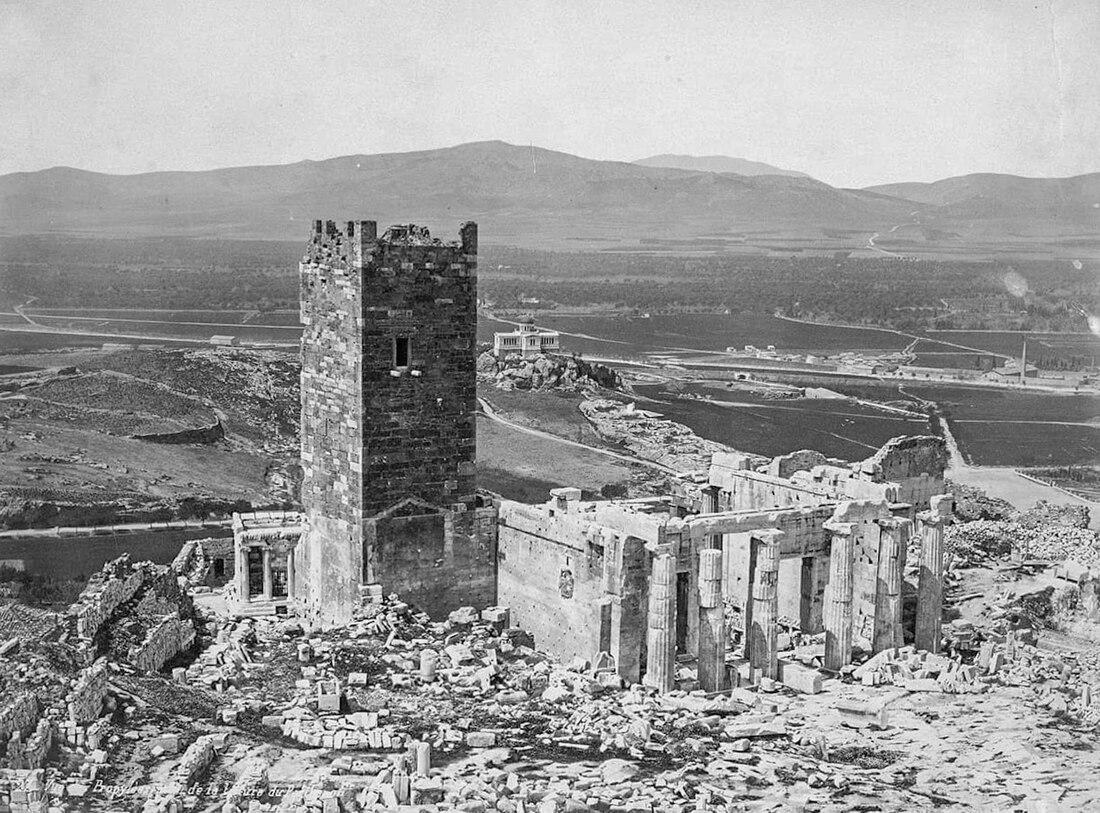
x=240, y=575
x=929, y=626
x=838, y=596
x=661, y=639
x=893, y=541
x=268, y=589
x=290, y=574
x=712, y=622
x=763, y=633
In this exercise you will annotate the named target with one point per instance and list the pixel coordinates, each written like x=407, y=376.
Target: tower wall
x=419, y=421
x=388, y=400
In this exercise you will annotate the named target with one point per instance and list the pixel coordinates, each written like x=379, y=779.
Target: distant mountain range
x=988, y=195
x=716, y=163
x=536, y=197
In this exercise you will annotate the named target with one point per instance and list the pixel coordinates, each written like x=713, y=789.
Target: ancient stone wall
x=168, y=795
x=84, y=702
x=33, y=752
x=909, y=456
x=580, y=587
x=23, y=791
x=843, y=483
x=551, y=577
x=202, y=434
x=18, y=715
x=196, y=759
x=164, y=641
x=439, y=561
x=750, y=491
x=802, y=460
x=219, y=549
x=118, y=582
x=915, y=462
x=918, y=491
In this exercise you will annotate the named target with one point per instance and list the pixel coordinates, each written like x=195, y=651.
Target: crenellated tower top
x=355, y=244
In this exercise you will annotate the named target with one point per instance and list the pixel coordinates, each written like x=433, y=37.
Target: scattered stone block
x=463, y=616
x=861, y=714
x=922, y=685
x=800, y=678
x=751, y=730
x=617, y=771
x=481, y=739
x=499, y=617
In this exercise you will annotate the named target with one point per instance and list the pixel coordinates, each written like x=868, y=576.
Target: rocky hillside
x=544, y=372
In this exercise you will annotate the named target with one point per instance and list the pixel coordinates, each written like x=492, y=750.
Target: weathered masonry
x=388, y=421
x=813, y=544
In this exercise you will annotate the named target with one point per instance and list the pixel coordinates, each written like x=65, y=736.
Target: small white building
x=526, y=340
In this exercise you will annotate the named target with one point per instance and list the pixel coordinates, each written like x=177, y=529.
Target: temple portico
x=264, y=543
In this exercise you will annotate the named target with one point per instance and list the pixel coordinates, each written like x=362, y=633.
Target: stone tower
x=388, y=396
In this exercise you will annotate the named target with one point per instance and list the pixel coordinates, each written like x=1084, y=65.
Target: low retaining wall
x=201, y=434
x=165, y=640
x=18, y=716
x=85, y=702
x=105, y=592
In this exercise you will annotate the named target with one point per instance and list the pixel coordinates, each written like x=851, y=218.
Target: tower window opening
x=401, y=351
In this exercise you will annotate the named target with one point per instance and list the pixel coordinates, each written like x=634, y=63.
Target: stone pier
x=838, y=596
x=712, y=622
x=661, y=640
x=930, y=584
x=763, y=633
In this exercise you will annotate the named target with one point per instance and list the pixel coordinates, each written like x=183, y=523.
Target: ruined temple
x=388, y=421
x=802, y=542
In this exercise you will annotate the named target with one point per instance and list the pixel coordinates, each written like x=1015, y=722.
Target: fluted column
x=763, y=634
x=712, y=622
x=819, y=579
x=930, y=581
x=838, y=596
x=268, y=587
x=240, y=575
x=893, y=541
x=661, y=638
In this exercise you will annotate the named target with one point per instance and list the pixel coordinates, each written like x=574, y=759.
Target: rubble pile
x=544, y=372
x=474, y=694
x=465, y=714
x=23, y=790
x=920, y=671
x=649, y=436
x=1047, y=532
x=974, y=543
x=1066, y=685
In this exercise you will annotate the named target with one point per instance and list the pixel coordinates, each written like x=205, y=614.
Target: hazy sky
x=853, y=92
